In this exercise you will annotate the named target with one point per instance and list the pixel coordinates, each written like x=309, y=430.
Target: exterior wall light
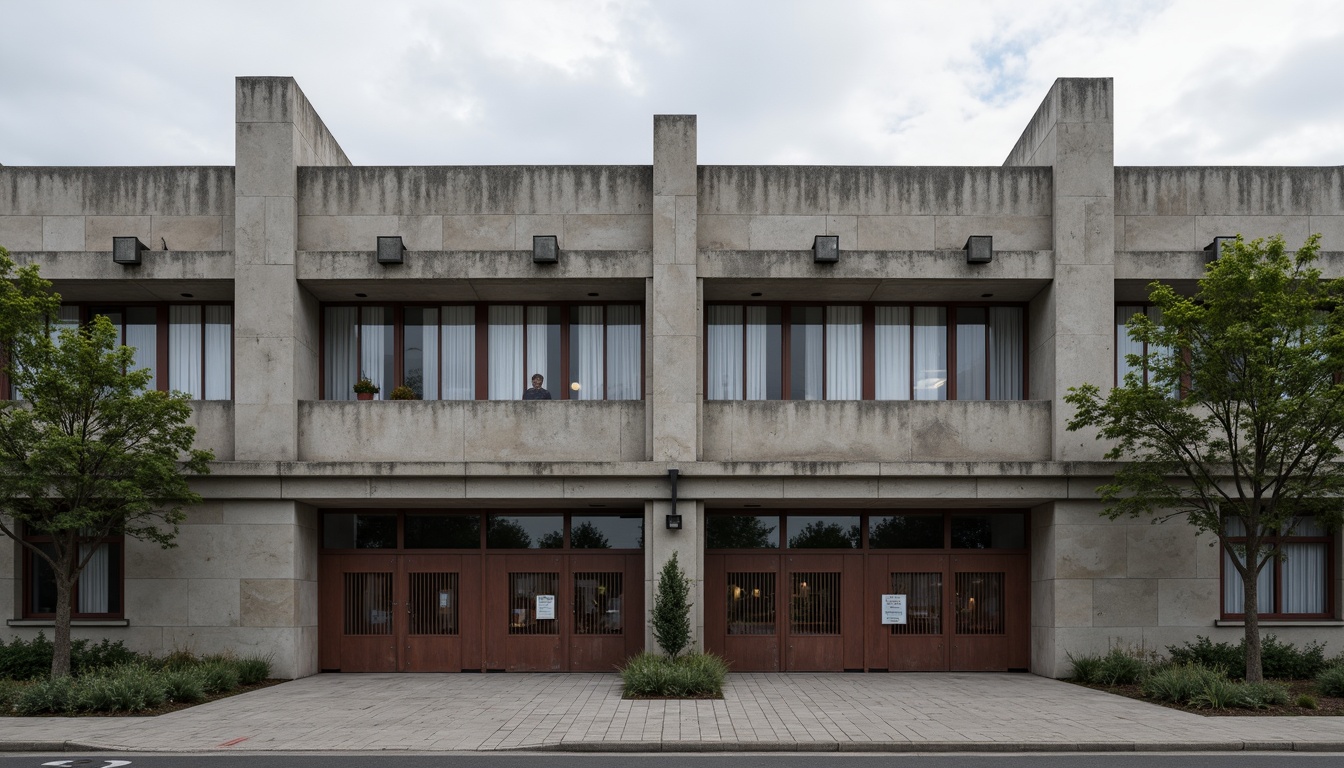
x=126, y=250
x=673, y=520
x=391, y=250
x=979, y=249
x=545, y=249
x=1215, y=249
x=825, y=249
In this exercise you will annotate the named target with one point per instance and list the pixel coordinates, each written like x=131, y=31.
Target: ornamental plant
x=402, y=392
x=365, y=386
x=672, y=609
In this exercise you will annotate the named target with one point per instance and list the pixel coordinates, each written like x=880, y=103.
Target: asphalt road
x=740, y=760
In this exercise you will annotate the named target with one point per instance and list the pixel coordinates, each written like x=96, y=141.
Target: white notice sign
x=545, y=607
x=893, y=609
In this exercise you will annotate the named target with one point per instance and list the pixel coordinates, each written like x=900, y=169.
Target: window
x=97, y=592
x=431, y=529
x=1125, y=346
x=1293, y=586
x=187, y=347
x=864, y=352
x=469, y=352
x=833, y=530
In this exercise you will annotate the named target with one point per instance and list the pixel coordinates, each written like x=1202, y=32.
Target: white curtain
x=184, y=350
x=1304, y=579
x=339, y=365
x=95, y=580
x=506, y=352
x=142, y=333
x=1005, y=353
x=420, y=357
x=218, y=353
x=585, y=350
x=809, y=365
x=758, y=353
x=625, y=370
x=538, y=351
x=459, y=353
x=891, y=352
x=930, y=353
x=1125, y=346
x=1234, y=599
x=971, y=358
x=375, y=348
x=725, y=352
x=844, y=353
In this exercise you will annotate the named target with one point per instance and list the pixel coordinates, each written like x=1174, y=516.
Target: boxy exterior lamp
x=126, y=250
x=825, y=249
x=979, y=249
x=673, y=520
x=545, y=249
x=1214, y=250
x=391, y=250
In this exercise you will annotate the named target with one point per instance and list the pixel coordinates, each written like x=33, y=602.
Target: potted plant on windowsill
x=365, y=389
x=403, y=392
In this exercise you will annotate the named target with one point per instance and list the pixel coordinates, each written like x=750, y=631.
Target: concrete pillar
x=674, y=326
x=275, y=319
x=1072, y=333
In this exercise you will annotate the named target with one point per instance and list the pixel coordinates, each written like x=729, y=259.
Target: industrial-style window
x=907, y=529
x=187, y=347
x=98, y=590
x=429, y=529
x=1294, y=585
x=865, y=352
x=1125, y=346
x=479, y=352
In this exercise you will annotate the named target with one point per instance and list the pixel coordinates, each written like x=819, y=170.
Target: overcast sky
x=1219, y=82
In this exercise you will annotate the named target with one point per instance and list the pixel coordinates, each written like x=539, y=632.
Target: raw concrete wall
x=480, y=208
x=1184, y=209
x=213, y=420
x=799, y=430
x=471, y=430
x=82, y=209
x=879, y=209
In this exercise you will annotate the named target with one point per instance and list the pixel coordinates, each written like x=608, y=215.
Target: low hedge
x=690, y=676
x=31, y=659
x=1279, y=660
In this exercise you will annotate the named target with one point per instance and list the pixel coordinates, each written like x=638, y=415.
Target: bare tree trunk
x=1251, y=610
x=60, y=657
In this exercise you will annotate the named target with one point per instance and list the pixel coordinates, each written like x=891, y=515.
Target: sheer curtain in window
x=585, y=351
x=340, y=365
x=185, y=350
x=142, y=332
x=506, y=353
x=625, y=370
x=725, y=352
x=375, y=348
x=891, y=352
x=1006, y=347
x=1234, y=599
x=420, y=351
x=844, y=353
x=1304, y=577
x=971, y=353
x=459, y=353
x=218, y=353
x=930, y=353
x=808, y=364
x=95, y=580
x=765, y=353
x=1125, y=346
x=543, y=349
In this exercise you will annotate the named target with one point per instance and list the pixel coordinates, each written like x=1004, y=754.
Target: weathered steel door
x=441, y=627
x=606, y=619
x=989, y=627
x=743, y=600
x=523, y=615
x=823, y=596
x=920, y=644
x=359, y=613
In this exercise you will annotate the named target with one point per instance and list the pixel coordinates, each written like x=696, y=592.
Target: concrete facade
x=292, y=226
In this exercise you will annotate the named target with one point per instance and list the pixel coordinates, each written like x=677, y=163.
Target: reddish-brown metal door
x=524, y=620
x=920, y=644
x=822, y=599
x=989, y=599
x=359, y=613
x=606, y=594
x=441, y=631
x=742, y=615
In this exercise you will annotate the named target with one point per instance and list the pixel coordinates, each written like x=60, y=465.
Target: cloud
x=841, y=82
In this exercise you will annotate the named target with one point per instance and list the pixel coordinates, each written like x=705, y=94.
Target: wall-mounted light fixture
x=391, y=250
x=979, y=249
x=545, y=249
x=127, y=250
x=1215, y=249
x=673, y=520
x=825, y=249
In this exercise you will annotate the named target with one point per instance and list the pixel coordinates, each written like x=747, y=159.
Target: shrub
x=253, y=669
x=365, y=386
x=1261, y=695
x=1210, y=655
x=186, y=686
x=403, y=392
x=695, y=675
x=43, y=697
x=130, y=688
x=85, y=658
x=1331, y=682
x=218, y=675
x=9, y=696
x=1306, y=701
x=1178, y=683
x=1284, y=661
x=1086, y=669
x=671, y=617
x=30, y=660
x=179, y=659
x=1120, y=667
x=1216, y=693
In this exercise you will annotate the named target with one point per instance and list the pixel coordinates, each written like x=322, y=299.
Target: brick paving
x=898, y=712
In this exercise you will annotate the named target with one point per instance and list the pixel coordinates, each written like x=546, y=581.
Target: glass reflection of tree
x=376, y=531
x=739, y=532
x=504, y=533
x=819, y=534
x=907, y=532
x=551, y=540
x=585, y=535
x=970, y=532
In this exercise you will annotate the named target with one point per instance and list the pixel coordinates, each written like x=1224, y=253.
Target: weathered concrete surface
x=213, y=420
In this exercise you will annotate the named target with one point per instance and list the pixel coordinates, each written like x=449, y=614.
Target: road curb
x=1000, y=747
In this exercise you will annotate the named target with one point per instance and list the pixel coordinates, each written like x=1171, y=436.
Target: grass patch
x=690, y=676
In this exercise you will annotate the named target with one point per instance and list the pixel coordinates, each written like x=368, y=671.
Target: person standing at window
x=536, y=391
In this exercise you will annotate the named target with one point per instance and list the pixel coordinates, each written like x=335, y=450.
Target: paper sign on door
x=893, y=609
x=545, y=607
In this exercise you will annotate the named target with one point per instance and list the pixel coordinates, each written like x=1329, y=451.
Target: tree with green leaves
x=1234, y=416
x=88, y=451
x=672, y=609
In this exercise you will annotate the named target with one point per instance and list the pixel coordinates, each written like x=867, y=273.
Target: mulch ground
x=1325, y=705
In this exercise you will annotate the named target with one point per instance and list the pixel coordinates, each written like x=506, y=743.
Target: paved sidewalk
x=891, y=712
